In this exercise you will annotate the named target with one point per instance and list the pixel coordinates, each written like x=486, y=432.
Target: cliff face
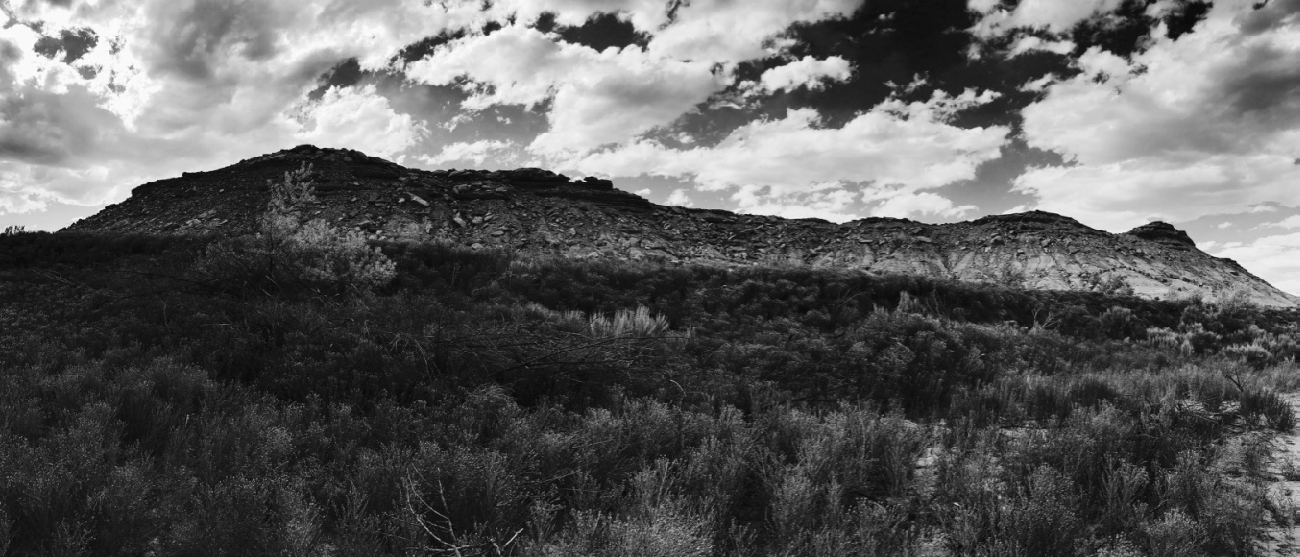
x=536, y=211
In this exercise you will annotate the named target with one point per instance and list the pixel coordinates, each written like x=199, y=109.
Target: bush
x=1267, y=406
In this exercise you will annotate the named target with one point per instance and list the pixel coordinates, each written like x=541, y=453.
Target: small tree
x=288, y=253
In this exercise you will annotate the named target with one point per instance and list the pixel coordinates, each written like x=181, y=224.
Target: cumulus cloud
x=1055, y=16
x=476, y=151
x=172, y=85
x=910, y=204
x=1031, y=43
x=360, y=118
x=808, y=72
x=126, y=92
x=1209, y=120
x=596, y=97
x=679, y=197
x=1270, y=16
x=793, y=166
x=894, y=143
x=734, y=31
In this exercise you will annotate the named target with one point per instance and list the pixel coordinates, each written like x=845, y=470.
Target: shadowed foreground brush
x=486, y=404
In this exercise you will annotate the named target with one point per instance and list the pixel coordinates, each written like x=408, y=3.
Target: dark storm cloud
x=192, y=36
x=1265, y=86
x=1270, y=15
x=33, y=128
x=49, y=129
x=46, y=128
x=72, y=43
x=9, y=55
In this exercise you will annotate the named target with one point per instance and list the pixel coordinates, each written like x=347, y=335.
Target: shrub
x=1120, y=323
x=1269, y=407
x=628, y=323
x=1174, y=535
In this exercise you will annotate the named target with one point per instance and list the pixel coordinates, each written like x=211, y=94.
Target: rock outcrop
x=538, y=211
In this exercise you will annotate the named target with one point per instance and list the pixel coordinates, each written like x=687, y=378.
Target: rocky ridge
x=538, y=211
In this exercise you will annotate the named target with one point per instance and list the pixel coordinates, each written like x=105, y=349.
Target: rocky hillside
x=537, y=211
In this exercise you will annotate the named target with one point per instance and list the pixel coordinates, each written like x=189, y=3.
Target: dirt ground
x=1280, y=537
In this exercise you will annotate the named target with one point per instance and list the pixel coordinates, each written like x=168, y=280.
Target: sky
x=1114, y=112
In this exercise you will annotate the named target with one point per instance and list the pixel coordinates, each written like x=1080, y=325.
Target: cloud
x=679, y=197
x=1275, y=259
x=49, y=129
x=1202, y=124
x=1289, y=222
x=359, y=116
x=1032, y=43
x=830, y=201
x=477, y=151
x=793, y=167
x=645, y=15
x=1055, y=16
x=634, y=96
x=1270, y=16
x=194, y=39
x=516, y=65
x=808, y=72
x=909, y=204
x=735, y=31
x=174, y=85
x=144, y=90
x=596, y=97
x=1120, y=195
x=910, y=144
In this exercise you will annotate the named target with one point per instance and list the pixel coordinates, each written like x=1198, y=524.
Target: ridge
x=538, y=211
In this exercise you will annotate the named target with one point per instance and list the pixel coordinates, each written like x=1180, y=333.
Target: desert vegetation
x=304, y=392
